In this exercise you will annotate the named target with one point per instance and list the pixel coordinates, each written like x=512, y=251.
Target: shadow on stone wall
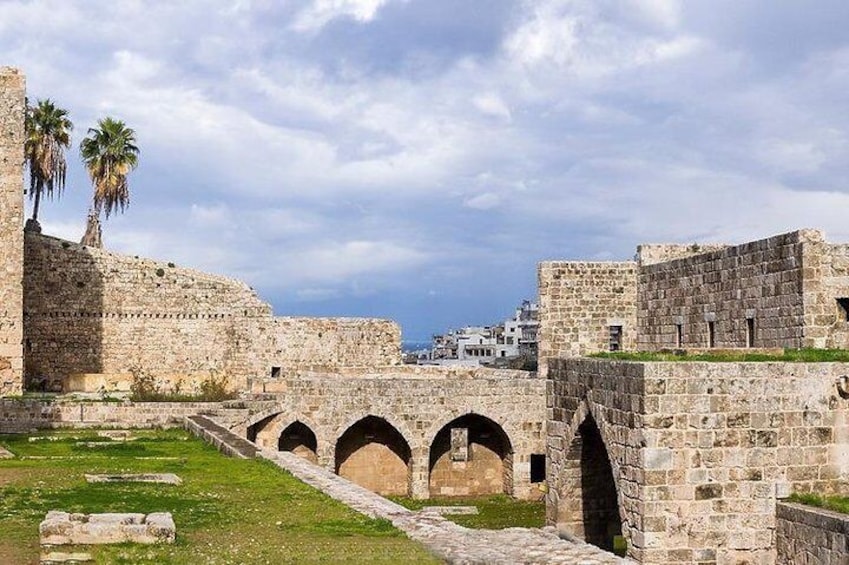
x=63, y=312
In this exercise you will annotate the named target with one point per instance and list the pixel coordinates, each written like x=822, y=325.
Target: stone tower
x=12, y=108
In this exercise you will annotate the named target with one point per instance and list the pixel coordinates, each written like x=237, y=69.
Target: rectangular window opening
x=750, y=332
x=679, y=335
x=537, y=467
x=615, y=338
x=275, y=372
x=711, y=334
x=844, y=308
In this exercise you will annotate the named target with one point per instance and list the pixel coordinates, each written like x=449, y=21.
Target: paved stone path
x=453, y=543
x=449, y=541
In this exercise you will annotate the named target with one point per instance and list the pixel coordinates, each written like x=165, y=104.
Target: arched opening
x=255, y=430
x=471, y=455
x=588, y=506
x=373, y=454
x=300, y=440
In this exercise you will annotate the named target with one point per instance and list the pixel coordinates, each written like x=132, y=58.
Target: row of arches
x=470, y=455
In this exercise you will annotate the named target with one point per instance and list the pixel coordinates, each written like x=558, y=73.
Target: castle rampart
x=87, y=310
x=698, y=452
x=12, y=107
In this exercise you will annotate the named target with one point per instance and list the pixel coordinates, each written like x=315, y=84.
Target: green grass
x=835, y=503
x=789, y=355
x=226, y=511
x=494, y=512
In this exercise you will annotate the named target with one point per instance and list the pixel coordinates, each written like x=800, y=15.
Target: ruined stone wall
x=826, y=281
x=12, y=109
x=761, y=280
x=418, y=408
x=579, y=301
x=702, y=451
x=811, y=535
x=87, y=310
x=652, y=253
x=298, y=344
x=17, y=415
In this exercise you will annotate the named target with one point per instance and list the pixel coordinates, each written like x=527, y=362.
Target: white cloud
x=485, y=201
x=492, y=104
x=320, y=12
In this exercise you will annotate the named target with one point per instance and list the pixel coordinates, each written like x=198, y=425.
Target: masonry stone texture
x=12, y=104
x=88, y=310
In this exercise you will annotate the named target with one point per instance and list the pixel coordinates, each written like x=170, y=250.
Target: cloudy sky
x=415, y=159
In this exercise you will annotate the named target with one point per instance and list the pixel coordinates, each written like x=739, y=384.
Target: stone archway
x=373, y=454
x=300, y=440
x=588, y=503
x=470, y=455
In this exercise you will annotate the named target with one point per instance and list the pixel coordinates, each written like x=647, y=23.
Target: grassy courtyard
x=494, y=512
x=728, y=356
x=226, y=511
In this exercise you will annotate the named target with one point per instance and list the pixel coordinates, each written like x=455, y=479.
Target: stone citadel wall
x=418, y=409
x=12, y=105
x=87, y=310
x=699, y=452
x=579, y=301
x=761, y=281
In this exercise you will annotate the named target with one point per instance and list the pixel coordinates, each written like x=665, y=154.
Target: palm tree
x=109, y=153
x=48, y=134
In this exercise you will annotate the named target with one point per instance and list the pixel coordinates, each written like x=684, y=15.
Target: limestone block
x=164, y=478
x=63, y=528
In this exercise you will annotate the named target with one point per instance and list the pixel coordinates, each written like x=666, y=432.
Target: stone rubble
x=65, y=528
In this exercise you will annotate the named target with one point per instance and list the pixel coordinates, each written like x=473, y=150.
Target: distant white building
x=478, y=345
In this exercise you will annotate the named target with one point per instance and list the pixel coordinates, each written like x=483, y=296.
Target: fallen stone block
x=64, y=528
x=164, y=478
x=451, y=510
x=5, y=453
x=117, y=435
x=62, y=558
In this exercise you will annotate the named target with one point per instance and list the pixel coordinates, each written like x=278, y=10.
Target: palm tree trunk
x=93, y=235
x=32, y=224
x=35, y=205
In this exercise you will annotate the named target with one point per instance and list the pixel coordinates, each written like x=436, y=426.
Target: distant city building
x=484, y=345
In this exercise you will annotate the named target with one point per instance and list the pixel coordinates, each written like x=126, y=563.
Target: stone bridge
x=417, y=432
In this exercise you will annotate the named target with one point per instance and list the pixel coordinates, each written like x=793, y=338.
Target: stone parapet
x=804, y=534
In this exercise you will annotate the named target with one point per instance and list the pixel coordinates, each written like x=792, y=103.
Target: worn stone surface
x=804, y=534
x=451, y=510
x=63, y=558
x=446, y=539
x=33, y=414
x=578, y=303
x=414, y=412
x=92, y=312
x=164, y=478
x=12, y=108
x=5, y=453
x=698, y=451
x=64, y=528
